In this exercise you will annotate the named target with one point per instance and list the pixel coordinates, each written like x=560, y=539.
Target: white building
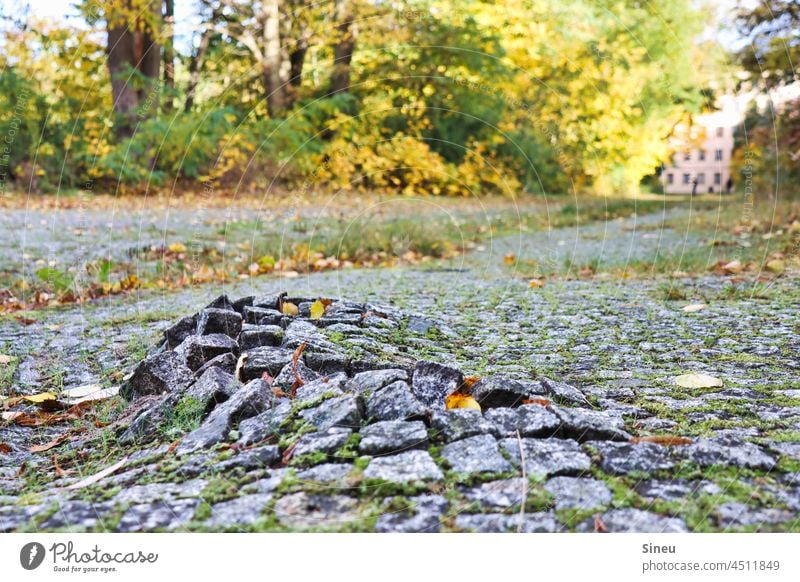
x=702, y=159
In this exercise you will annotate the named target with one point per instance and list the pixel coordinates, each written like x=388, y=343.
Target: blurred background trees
x=416, y=96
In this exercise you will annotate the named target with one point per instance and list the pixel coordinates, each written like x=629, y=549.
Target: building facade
x=702, y=160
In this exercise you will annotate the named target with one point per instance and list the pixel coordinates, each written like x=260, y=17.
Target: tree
x=344, y=45
x=772, y=28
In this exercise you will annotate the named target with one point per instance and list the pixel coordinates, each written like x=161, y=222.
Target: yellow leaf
x=776, y=266
x=694, y=307
x=41, y=397
x=698, y=381
x=510, y=259
x=288, y=308
x=459, y=400
x=317, y=309
x=535, y=283
x=177, y=248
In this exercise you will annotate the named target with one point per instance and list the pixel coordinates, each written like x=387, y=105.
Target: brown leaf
x=287, y=454
x=25, y=320
x=664, y=440
x=92, y=479
x=599, y=526
x=4, y=448
x=47, y=446
x=539, y=401
x=469, y=382
x=298, y=381
x=59, y=471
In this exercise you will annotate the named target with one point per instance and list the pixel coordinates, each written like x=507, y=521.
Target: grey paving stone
x=392, y=436
x=578, y=493
x=422, y=515
x=544, y=457
x=244, y=510
x=160, y=515
x=478, y=454
x=403, y=468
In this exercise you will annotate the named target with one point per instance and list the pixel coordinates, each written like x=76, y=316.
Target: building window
x=702, y=155
x=701, y=178
x=687, y=156
x=720, y=131
x=686, y=178
x=670, y=178
x=718, y=155
x=717, y=178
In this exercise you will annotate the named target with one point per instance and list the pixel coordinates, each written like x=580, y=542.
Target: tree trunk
x=169, y=52
x=271, y=63
x=130, y=49
x=297, y=59
x=345, y=44
x=195, y=64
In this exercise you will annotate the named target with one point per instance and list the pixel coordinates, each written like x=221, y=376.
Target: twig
x=524, y=492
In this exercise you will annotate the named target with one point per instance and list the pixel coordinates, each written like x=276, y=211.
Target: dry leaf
x=664, y=440
x=469, y=382
x=92, y=479
x=289, y=308
x=539, y=401
x=4, y=448
x=459, y=400
x=298, y=381
x=535, y=283
x=40, y=398
x=87, y=393
x=287, y=454
x=177, y=248
x=59, y=471
x=776, y=266
x=599, y=526
x=317, y=310
x=733, y=267
x=510, y=259
x=239, y=364
x=694, y=307
x=47, y=446
x=5, y=359
x=698, y=381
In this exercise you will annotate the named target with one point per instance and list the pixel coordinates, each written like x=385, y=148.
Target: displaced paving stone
x=585, y=425
x=223, y=321
x=540, y=522
x=422, y=515
x=307, y=511
x=290, y=373
x=734, y=515
x=536, y=421
x=459, y=423
x=161, y=515
x=328, y=441
x=726, y=451
x=257, y=428
x=266, y=359
x=254, y=315
x=498, y=495
x=345, y=411
x=326, y=386
x=373, y=380
x=627, y=458
x=630, y=520
x=197, y=350
x=403, y=468
x=158, y=374
x=326, y=472
x=212, y=388
x=258, y=458
x=564, y=392
x=544, y=457
x=432, y=382
x=151, y=492
x=256, y=336
x=185, y=327
x=578, y=493
x=244, y=510
x=392, y=436
x=503, y=392
x=225, y=362
x=77, y=515
x=395, y=402
x=478, y=454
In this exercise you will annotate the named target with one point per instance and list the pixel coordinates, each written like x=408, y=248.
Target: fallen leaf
x=47, y=446
x=92, y=479
x=510, y=259
x=539, y=401
x=13, y=415
x=698, y=381
x=535, y=283
x=317, y=309
x=4, y=448
x=5, y=359
x=733, y=267
x=59, y=471
x=694, y=307
x=287, y=454
x=298, y=381
x=459, y=400
x=25, y=320
x=87, y=393
x=664, y=440
x=599, y=526
x=776, y=266
x=41, y=397
x=239, y=365
x=177, y=248
x=469, y=382
x=289, y=308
